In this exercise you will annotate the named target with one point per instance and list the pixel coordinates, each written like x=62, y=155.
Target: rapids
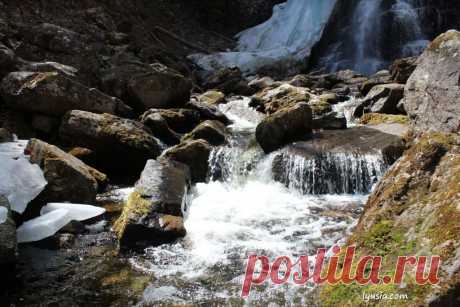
x=243, y=210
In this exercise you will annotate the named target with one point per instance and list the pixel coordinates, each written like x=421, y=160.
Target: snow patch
x=287, y=38
x=77, y=212
x=20, y=180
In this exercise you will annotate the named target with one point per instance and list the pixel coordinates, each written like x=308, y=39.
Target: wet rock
x=147, y=86
x=53, y=94
x=329, y=121
x=381, y=77
x=45, y=124
x=7, y=60
x=120, y=145
x=432, y=93
x=160, y=128
x=5, y=135
x=306, y=81
x=212, y=97
x=330, y=98
x=69, y=179
x=208, y=111
x=285, y=126
x=382, y=98
x=229, y=81
x=194, y=154
x=401, y=69
x=282, y=96
x=212, y=131
x=153, y=213
x=179, y=120
x=8, y=242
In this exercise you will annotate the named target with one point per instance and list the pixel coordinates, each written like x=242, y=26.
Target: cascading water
x=366, y=36
x=243, y=210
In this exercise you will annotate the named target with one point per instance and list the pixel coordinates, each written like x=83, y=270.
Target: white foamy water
x=243, y=211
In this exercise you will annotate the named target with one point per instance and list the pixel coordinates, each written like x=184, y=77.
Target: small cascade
x=329, y=173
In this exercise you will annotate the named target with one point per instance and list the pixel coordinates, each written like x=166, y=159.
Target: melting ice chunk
x=20, y=181
x=77, y=212
x=43, y=226
x=3, y=215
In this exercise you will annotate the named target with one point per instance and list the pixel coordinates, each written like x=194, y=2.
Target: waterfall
x=367, y=35
x=329, y=173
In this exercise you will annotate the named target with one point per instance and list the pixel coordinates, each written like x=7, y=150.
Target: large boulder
x=285, y=95
x=153, y=214
x=195, y=154
x=120, y=145
x=179, y=120
x=69, y=179
x=212, y=131
x=148, y=86
x=8, y=242
x=285, y=126
x=432, y=93
x=51, y=93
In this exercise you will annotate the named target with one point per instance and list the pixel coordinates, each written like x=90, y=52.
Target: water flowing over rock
x=330, y=173
x=367, y=35
x=432, y=93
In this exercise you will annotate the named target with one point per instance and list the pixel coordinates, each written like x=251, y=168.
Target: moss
x=135, y=206
x=376, y=119
x=126, y=279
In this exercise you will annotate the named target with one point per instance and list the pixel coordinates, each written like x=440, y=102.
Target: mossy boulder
x=213, y=131
x=194, y=154
x=285, y=126
x=153, y=213
x=212, y=97
x=282, y=96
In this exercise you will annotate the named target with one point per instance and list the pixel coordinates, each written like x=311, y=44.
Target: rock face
x=194, y=154
x=148, y=86
x=120, y=145
x=285, y=126
x=50, y=93
x=69, y=179
x=212, y=131
x=8, y=245
x=153, y=213
x=401, y=69
x=382, y=98
x=432, y=93
x=413, y=211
